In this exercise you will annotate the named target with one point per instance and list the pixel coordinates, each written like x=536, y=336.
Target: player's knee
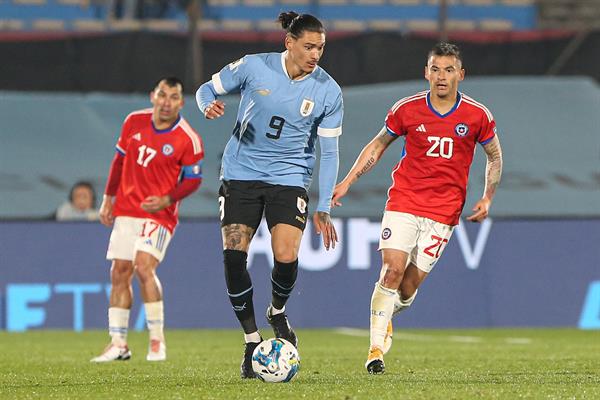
x=392, y=275
x=121, y=273
x=285, y=255
x=144, y=273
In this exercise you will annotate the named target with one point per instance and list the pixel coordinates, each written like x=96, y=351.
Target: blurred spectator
x=81, y=205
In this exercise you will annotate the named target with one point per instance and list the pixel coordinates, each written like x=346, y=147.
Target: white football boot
x=113, y=352
x=157, y=351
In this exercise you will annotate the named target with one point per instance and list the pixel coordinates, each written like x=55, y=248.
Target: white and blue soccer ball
x=275, y=360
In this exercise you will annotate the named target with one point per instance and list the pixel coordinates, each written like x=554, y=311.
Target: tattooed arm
x=493, y=172
x=366, y=160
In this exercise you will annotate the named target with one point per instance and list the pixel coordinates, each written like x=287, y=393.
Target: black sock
x=239, y=288
x=283, y=279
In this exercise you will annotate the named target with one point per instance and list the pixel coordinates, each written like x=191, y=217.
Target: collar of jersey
x=169, y=129
x=285, y=70
x=458, y=99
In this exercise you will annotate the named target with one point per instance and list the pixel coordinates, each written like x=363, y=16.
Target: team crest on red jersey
x=167, y=149
x=461, y=129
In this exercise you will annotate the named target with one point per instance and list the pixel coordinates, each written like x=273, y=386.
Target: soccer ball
x=275, y=360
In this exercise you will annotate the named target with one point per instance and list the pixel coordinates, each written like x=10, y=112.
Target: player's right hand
x=340, y=190
x=216, y=109
x=106, y=208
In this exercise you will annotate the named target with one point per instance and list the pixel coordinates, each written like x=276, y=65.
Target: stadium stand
x=244, y=15
x=569, y=14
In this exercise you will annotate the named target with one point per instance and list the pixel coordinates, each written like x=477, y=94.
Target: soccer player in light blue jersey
x=287, y=101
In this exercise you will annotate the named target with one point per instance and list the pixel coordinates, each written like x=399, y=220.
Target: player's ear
x=288, y=41
x=461, y=74
x=426, y=72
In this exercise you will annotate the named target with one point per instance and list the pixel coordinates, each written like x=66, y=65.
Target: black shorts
x=243, y=202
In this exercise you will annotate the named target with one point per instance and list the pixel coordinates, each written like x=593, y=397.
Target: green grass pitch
x=204, y=364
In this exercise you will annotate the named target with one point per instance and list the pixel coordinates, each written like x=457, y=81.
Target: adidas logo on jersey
x=421, y=128
x=137, y=136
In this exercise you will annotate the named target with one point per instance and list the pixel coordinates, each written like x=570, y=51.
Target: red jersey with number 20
x=153, y=164
x=430, y=180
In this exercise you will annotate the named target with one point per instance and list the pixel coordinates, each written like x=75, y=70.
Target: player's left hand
x=154, y=204
x=324, y=224
x=480, y=209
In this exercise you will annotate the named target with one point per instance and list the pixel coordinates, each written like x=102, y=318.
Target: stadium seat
x=495, y=25
x=94, y=25
x=422, y=25
x=385, y=25
x=48, y=25
x=461, y=25
x=348, y=25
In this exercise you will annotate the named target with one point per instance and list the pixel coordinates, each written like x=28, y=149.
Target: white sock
x=382, y=307
x=275, y=311
x=155, y=320
x=118, y=322
x=400, y=305
x=252, y=337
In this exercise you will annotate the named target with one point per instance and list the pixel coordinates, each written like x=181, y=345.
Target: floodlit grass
x=204, y=364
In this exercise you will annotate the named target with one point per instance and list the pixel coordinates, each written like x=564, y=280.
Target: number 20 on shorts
x=436, y=247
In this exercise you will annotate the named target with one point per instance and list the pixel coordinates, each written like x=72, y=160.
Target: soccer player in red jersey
x=441, y=128
x=157, y=164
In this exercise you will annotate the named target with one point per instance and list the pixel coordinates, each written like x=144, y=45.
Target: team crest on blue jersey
x=386, y=233
x=167, y=149
x=306, y=107
x=461, y=129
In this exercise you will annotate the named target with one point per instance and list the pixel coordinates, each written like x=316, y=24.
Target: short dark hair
x=295, y=24
x=445, y=49
x=84, y=184
x=171, y=81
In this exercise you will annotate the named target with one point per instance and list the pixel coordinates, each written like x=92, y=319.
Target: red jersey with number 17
x=430, y=180
x=153, y=164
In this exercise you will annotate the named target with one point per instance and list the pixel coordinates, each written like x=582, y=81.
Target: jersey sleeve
x=393, y=122
x=488, y=128
x=231, y=77
x=125, y=136
x=192, y=157
x=331, y=124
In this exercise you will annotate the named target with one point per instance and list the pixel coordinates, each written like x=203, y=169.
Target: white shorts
x=130, y=235
x=422, y=238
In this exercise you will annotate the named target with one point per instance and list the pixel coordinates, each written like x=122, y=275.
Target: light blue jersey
x=278, y=121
